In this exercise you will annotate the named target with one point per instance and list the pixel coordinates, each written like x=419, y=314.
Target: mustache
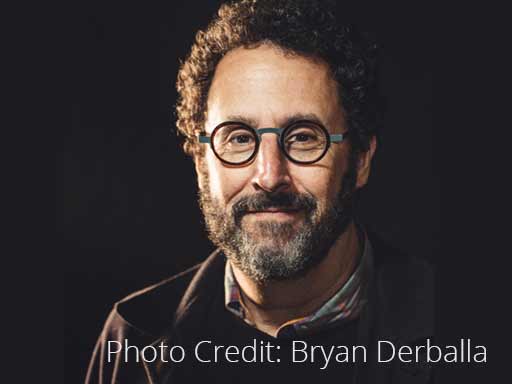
x=263, y=200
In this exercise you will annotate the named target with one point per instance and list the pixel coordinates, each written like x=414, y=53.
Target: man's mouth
x=274, y=210
x=276, y=213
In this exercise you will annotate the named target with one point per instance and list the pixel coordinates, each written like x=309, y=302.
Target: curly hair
x=307, y=28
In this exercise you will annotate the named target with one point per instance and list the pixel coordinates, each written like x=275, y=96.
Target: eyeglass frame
x=204, y=138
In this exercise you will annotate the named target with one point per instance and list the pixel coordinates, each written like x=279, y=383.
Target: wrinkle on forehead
x=267, y=86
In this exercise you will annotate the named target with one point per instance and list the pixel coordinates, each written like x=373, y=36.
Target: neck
x=271, y=304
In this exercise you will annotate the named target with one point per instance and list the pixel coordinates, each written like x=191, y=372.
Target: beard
x=268, y=250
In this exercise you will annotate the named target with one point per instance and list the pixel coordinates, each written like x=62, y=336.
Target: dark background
x=126, y=195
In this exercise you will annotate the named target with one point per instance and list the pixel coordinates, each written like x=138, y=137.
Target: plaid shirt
x=346, y=304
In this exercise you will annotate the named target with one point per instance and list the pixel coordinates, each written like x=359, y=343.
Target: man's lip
x=274, y=210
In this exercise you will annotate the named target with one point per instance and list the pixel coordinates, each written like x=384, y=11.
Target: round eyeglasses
x=302, y=142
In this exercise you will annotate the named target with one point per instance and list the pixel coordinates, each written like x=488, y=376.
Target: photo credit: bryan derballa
x=206, y=351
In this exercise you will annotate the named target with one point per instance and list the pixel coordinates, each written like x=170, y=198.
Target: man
x=278, y=108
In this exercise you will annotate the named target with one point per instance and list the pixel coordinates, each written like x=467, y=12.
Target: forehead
x=267, y=87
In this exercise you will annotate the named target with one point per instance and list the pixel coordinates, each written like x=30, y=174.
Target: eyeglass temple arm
x=337, y=138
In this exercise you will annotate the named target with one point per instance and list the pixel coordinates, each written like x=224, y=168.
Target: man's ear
x=199, y=165
x=364, y=164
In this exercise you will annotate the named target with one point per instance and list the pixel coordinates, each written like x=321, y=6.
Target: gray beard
x=274, y=251
x=281, y=252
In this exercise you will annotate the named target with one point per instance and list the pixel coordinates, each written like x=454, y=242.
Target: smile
x=275, y=213
x=274, y=209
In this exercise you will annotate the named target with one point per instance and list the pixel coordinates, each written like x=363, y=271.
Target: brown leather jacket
x=400, y=308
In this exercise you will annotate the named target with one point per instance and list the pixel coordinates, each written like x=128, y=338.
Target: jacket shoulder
x=139, y=318
x=406, y=291
x=151, y=309
x=400, y=267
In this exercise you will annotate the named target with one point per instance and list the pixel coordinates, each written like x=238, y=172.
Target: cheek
x=318, y=181
x=324, y=180
x=224, y=182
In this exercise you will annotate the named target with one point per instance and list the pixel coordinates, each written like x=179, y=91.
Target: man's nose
x=271, y=174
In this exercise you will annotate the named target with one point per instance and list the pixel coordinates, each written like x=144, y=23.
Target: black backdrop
x=126, y=195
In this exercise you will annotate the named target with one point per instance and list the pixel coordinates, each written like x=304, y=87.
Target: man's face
x=274, y=218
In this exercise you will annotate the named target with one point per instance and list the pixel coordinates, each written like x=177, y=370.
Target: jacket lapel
x=190, y=312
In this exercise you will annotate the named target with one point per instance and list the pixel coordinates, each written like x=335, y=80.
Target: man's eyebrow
x=242, y=119
x=282, y=123
x=301, y=116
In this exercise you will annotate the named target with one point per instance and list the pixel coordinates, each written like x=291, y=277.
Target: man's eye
x=301, y=138
x=241, y=139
